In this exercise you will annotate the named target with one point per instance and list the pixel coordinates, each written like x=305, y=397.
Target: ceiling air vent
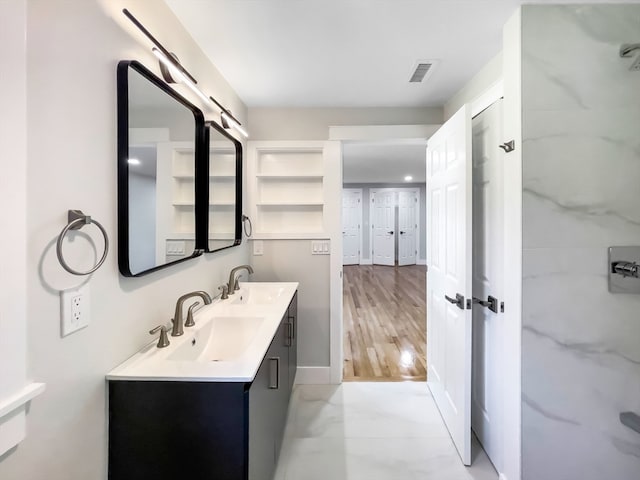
x=422, y=69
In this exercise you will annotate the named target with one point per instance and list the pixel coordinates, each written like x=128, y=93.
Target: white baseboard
x=421, y=261
x=365, y=261
x=313, y=376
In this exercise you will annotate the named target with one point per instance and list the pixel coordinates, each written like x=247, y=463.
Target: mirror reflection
x=160, y=158
x=225, y=161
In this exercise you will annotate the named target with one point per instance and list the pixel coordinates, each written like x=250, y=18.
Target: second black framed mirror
x=223, y=184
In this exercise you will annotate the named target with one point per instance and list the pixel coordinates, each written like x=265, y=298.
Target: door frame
x=360, y=215
x=333, y=205
x=372, y=192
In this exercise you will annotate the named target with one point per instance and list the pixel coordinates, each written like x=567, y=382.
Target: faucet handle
x=236, y=285
x=163, y=339
x=225, y=291
x=190, y=322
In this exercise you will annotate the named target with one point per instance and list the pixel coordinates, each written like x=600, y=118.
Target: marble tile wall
x=581, y=194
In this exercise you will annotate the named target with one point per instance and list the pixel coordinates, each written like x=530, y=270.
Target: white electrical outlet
x=75, y=309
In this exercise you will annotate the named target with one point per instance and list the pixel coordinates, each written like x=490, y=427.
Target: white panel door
x=486, y=396
x=449, y=244
x=407, y=248
x=383, y=205
x=351, y=220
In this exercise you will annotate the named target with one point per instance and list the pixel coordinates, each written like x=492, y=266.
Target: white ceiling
x=347, y=53
x=384, y=162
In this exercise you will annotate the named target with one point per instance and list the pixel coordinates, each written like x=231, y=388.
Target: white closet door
x=351, y=220
x=449, y=250
x=486, y=414
x=407, y=205
x=383, y=205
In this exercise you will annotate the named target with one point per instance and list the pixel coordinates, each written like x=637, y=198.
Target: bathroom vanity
x=213, y=404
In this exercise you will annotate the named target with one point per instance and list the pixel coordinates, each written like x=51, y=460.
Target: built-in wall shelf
x=290, y=204
x=287, y=189
x=289, y=236
x=292, y=177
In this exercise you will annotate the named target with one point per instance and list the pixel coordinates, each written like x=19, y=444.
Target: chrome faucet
x=178, y=321
x=233, y=285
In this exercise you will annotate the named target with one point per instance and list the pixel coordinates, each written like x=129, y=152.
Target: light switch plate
x=175, y=247
x=320, y=247
x=258, y=247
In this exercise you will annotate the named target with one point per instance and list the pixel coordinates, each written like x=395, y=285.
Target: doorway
x=384, y=281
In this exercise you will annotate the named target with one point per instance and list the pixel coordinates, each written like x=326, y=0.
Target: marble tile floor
x=371, y=431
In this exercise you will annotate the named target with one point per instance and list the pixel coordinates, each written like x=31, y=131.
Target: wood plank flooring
x=384, y=323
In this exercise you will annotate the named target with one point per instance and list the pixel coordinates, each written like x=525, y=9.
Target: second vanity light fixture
x=174, y=72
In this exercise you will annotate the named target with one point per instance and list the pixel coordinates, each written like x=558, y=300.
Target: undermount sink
x=257, y=294
x=222, y=339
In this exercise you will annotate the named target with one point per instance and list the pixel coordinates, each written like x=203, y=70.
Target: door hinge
x=501, y=307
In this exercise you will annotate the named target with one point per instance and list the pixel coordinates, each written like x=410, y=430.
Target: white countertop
x=153, y=364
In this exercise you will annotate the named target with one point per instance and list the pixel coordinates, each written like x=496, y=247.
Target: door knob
x=458, y=301
x=390, y=232
x=491, y=303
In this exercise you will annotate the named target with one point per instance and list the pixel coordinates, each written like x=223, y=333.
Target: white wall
x=13, y=233
x=489, y=75
x=73, y=49
x=313, y=123
x=291, y=261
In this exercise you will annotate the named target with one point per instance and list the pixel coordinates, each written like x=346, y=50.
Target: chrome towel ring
x=77, y=220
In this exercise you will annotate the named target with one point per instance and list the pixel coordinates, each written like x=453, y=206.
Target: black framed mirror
x=224, y=189
x=160, y=157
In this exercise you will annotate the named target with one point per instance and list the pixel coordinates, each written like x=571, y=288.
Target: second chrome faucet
x=232, y=286
x=178, y=319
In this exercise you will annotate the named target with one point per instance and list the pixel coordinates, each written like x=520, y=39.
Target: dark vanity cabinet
x=205, y=430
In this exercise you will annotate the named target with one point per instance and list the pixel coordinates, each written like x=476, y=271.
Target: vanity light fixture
x=133, y=161
x=408, y=178
x=227, y=120
x=177, y=73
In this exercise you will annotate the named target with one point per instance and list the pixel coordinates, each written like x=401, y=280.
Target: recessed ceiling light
x=408, y=178
x=133, y=161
